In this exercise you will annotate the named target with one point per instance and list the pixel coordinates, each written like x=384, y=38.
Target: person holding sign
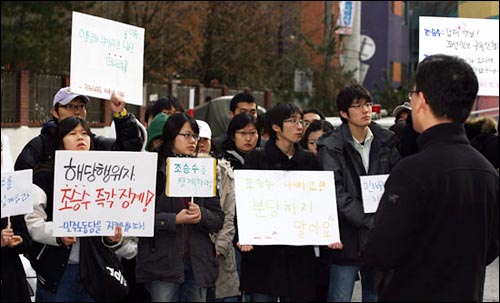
x=243, y=136
x=57, y=260
x=178, y=263
x=272, y=272
x=15, y=240
x=357, y=147
x=436, y=228
x=68, y=104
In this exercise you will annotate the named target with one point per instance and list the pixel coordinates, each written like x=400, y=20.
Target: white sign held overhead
x=106, y=56
x=474, y=40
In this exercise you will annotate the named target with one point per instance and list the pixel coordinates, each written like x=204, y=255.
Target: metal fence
x=43, y=87
x=9, y=97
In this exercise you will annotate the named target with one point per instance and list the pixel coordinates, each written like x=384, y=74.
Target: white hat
x=405, y=106
x=205, y=131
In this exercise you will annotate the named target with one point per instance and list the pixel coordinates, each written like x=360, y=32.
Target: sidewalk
x=491, y=287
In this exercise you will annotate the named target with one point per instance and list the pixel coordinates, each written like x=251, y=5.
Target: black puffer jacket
x=336, y=153
x=42, y=148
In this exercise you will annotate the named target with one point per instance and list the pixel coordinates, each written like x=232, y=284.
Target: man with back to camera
x=436, y=227
x=66, y=104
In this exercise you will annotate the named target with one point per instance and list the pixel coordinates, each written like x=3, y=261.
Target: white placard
x=372, y=189
x=276, y=207
x=96, y=190
x=191, y=177
x=17, y=193
x=474, y=40
x=106, y=56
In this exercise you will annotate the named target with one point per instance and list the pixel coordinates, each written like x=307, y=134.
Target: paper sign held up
x=17, y=193
x=277, y=207
x=191, y=177
x=95, y=191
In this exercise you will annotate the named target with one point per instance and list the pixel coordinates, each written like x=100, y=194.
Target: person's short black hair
x=278, y=113
x=449, y=85
x=315, y=111
x=348, y=95
x=166, y=103
x=316, y=125
x=240, y=97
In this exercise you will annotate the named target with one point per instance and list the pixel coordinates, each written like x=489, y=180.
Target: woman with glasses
x=178, y=264
x=243, y=136
x=283, y=272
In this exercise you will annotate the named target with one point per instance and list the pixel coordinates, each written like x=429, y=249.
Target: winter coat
x=160, y=258
x=281, y=270
x=336, y=153
x=47, y=257
x=14, y=283
x=437, y=222
x=228, y=281
x=42, y=148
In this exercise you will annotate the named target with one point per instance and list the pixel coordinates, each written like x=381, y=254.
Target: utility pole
x=350, y=58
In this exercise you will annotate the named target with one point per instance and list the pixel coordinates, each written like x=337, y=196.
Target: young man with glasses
x=67, y=104
x=269, y=272
x=357, y=147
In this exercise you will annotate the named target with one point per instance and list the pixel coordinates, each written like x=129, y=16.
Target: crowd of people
x=431, y=238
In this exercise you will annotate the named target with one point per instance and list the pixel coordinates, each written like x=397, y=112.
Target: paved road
x=491, y=287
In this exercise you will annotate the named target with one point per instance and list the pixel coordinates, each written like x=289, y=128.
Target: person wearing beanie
x=155, y=130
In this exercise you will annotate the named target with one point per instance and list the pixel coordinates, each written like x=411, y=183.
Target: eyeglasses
x=410, y=93
x=296, y=122
x=250, y=133
x=359, y=105
x=187, y=136
x=74, y=107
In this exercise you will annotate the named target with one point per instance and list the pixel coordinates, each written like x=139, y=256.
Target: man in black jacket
x=357, y=147
x=436, y=227
x=66, y=104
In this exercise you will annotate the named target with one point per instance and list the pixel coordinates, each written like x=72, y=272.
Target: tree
x=37, y=35
x=329, y=74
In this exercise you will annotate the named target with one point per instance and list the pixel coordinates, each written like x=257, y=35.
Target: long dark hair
x=171, y=129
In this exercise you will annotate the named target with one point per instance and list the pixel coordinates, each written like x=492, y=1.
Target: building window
x=398, y=8
x=396, y=69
